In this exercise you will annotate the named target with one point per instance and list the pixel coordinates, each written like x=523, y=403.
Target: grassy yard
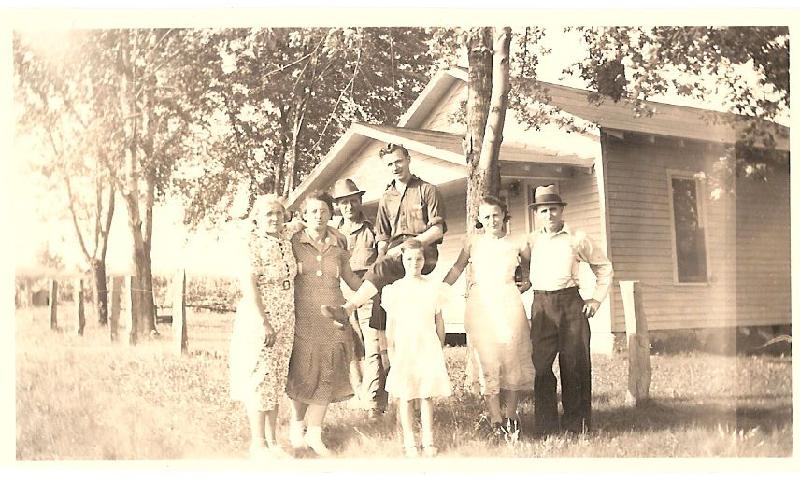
x=86, y=398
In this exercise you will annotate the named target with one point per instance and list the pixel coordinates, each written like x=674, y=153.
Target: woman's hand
x=524, y=285
x=269, y=334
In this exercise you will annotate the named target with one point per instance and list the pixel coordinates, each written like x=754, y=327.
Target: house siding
x=641, y=234
x=763, y=250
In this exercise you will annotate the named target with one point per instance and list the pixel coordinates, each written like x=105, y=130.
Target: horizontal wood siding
x=641, y=237
x=763, y=250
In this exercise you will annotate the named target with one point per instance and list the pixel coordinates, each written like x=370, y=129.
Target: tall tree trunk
x=147, y=300
x=479, y=92
x=488, y=169
x=142, y=318
x=100, y=290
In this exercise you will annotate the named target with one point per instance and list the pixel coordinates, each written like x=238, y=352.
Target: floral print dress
x=258, y=373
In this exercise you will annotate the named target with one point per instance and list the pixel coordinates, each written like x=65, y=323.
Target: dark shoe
x=336, y=313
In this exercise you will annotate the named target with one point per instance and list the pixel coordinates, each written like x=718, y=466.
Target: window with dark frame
x=690, y=236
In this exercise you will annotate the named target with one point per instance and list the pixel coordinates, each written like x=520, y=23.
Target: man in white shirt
x=560, y=317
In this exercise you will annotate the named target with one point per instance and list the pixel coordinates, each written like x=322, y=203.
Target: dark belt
x=556, y=292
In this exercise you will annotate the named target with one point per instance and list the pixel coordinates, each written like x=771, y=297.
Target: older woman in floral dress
x=263, y=331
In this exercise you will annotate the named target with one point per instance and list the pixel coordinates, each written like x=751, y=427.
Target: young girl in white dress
x=415, y=336
x=497, y=327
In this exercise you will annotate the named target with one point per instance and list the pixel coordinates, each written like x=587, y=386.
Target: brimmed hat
x=345, y=187
x=546, y=195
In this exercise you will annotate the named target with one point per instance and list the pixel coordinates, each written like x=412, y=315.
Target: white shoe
x=297, y=431
x=314, y=442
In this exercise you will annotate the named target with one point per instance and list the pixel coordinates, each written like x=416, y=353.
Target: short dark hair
x=390, y=148
x=319, y=196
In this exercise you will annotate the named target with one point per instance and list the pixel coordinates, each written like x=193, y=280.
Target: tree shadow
x=669, y=414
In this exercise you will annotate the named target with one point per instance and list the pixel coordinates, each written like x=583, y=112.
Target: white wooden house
x=637, y=186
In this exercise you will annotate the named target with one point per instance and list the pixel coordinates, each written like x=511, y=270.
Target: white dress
x=497, y=327
x=415, y=352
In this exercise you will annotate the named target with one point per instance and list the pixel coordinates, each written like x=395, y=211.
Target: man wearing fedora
x=560, y=317
x=363, y=248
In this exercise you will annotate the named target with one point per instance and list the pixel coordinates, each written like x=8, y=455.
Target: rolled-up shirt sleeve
x=435, y=206
x=600, y=265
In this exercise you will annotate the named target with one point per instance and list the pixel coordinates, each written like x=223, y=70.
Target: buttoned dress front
x=319, y=371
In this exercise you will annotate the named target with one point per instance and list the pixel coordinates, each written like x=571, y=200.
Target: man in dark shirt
x=409, y=208
x=363, y=248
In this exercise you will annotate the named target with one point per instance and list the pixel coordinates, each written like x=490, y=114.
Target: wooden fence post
x=133, y=309
x=25, y=294
x=80, y=318
x=179, y=312
x=116, y=302
x=53, y=304
x=638, y=343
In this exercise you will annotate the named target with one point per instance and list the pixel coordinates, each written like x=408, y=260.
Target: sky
x=174, y=245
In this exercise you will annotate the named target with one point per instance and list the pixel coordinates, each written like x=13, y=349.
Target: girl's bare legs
x=404, y=409
x=315, y=415
x=511, y=399
x=493, y=404
x=297, y=424
x=426, y=418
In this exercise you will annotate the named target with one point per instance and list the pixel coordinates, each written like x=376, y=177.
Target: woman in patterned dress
x=319, y=366
x=263, y=330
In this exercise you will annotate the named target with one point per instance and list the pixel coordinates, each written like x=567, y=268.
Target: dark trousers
x=558, y=326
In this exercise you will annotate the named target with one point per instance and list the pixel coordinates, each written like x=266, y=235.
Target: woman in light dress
x=263, y=329
x=497, y=327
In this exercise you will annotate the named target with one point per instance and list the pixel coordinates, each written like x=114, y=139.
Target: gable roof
x=667, y=119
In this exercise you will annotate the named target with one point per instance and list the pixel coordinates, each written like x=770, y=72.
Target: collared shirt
x=555, y=259
x=410, y=211
x=361, y=243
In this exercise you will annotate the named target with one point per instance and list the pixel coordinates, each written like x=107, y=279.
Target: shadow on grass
x=658, y=415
